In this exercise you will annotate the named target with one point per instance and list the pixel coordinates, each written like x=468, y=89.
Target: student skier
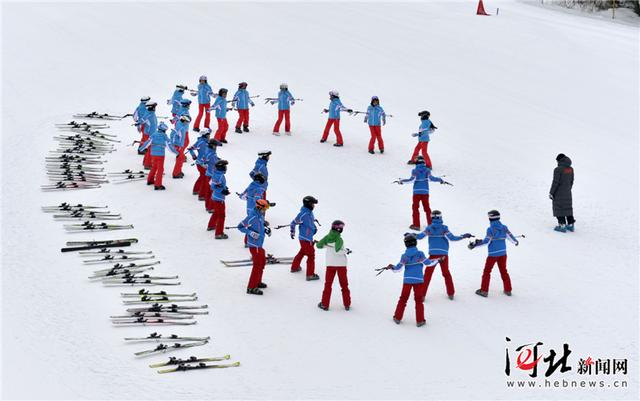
x=242, y=100
x=496, y=237
x=179, y=139
x=210, y=159
x=219, y=192
x=204, y=101
x=424, y=131
x=285, y=101
x=157, y=143
x=336, y=260
x=176, y=98
x=375, y=117
x=306, y=223
x=254, y=191
x=560, y=194
x=150, y=122
x=220, y=106
x=255, y=228
x=201, y=147
x=420, y=176
x=138, y=119
x=412, y=260
x=335, y=107
x=439, y=237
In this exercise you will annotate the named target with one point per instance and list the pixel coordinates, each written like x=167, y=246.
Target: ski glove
x=325, y=110
x=517, y=243
x=267, y=231
x=466, y=235
x=349, y=110
x=474, y=244
x=225, y=191
x=293, y=235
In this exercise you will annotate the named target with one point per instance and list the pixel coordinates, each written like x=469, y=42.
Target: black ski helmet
x=242, y=85
x=309, y=202
x=259, y=178
x=221, y=165
x=185, y=103
x=420, y=160
x=560, y=157
x=493, y=215
x=181, y=88
x=222, y=92
x=337, y=225
x=264, y=154
x=436, y=214
x=145, y=99
x=410, y=240
x=213, y=143
x=424, y=115
x=151, y=106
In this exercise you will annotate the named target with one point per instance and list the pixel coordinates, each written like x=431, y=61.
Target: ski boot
x=412, y=227
x=262, y=285
x=254, y=291
x=507, y=293
x=210, y=228
x=323, y=140
x=296, y=269
x=338, y=145
x=411, y=161
x=422, y=323
x=149, y=183
x=396, y=321
x=276, y=133
x=451, y=297
x=324, y=308
x=371, y=152
x=287, y=133
x=313, y=277
x=347, y=308
x=222, y=236
x=159, y=188
x=238, y=130
x=147, y=167
x=196, y=129
x=482, y=293
x=571, y=227
x=245, y=128
x=560, y=228
x=223, y=141
x=381, y=151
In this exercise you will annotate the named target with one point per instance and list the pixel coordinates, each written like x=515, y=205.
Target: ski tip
x=227, y=356
x=235, y=364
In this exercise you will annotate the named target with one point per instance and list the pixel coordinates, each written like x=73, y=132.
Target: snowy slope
x=508, y=93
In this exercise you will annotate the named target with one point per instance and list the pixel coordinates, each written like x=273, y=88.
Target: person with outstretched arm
x=255, y=228
x=306, y=223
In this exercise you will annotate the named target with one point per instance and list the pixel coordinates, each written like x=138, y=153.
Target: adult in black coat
x=560, y=194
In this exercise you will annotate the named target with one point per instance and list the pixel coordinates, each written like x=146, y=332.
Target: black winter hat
x=560, y=157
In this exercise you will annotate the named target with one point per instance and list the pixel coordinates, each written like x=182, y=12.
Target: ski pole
x=231, y=228
x=382, y=269
x=279, y=227
x=520, y=236
x=316, y=220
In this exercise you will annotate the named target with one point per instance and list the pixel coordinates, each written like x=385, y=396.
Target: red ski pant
x=341, y=271
x=444, y=266
x=203, y=108
x=157, y=169
x=180, y=159
x=223, y=126
x=306, y=249
x=259, y=260
x=418, y=296
x=208, y=202
x=287, y=123
x=502, y=266
x=146, y=159
x=243, y=118
x=205, y=188
x=201, y=178
x=376, y=135
x=336, y=129
x=415, y=207
x=217, y=218
x=144, y=136
x=422, y=147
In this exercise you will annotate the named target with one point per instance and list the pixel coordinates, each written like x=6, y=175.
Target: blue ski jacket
x=158, y=142
x=175, y=101
x=253, y=226
x=253, y=192
x=412, y=260
x=179, y=134
x=210, y=159
x=150, y=122
x=218, y=184
x=421, y=175
x=285, y=99
x=261, y=167
x=220, y=106
x=335, y=107
x=425, y=130
x=375, y=115
x=204, y=94
x=439, y=237
x=242, y=99
x=139, y=113
x=307, y=224
x=201, y=147
x=496, y=237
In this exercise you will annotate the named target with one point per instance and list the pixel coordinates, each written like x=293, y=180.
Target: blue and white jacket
x=175, y=101
x=439, y=237
x=242, y=99
x=204, y=94
x=139, y=113
x=253, y=192
x=218, y=184
x=150, y=122
x=253, y=225
x=210, y=159
x=375, y=115
x=220, y=106
x=496, y=237
x=307, y=225
x=179, y=134
x=335, y=107
x=412, y=260
x=158, y=142
x=421, y=175
x=425, y=130
x=285, y=99
x=201, y=146
x=261, y=167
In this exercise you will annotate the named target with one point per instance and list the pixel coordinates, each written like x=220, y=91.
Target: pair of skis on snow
x=270, y=260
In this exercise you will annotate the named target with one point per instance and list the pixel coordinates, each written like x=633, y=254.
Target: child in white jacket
x=336, y=259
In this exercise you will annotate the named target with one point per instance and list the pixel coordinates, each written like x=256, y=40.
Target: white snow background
x=508, y=93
